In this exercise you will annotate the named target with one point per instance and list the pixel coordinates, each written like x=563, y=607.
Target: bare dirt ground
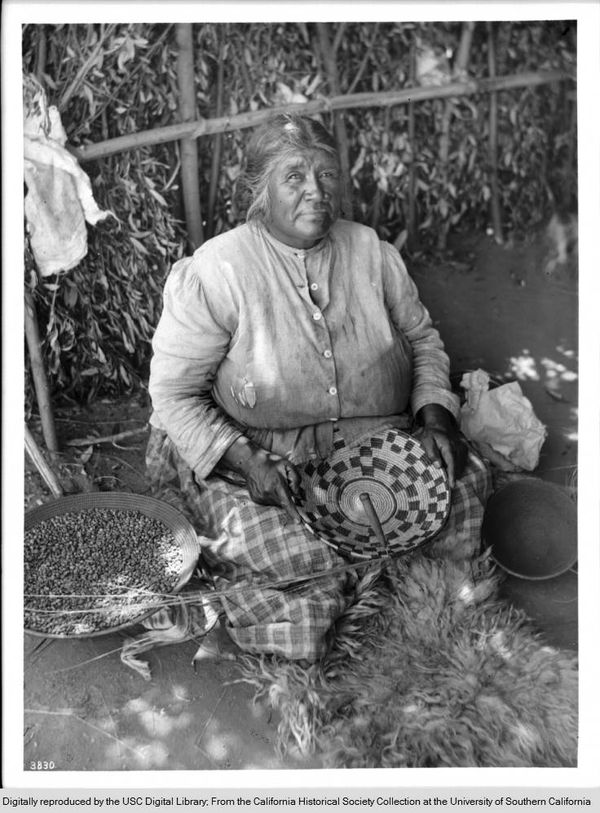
x=496, y=308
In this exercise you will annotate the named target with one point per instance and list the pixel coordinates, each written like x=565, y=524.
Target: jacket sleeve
x=431, y=365
x=189, y=344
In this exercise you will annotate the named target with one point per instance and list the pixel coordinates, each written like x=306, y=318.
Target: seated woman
x=290, y=328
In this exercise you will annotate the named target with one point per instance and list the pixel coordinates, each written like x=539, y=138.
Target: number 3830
x=41, y=765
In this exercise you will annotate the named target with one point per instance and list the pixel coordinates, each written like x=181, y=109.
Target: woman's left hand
x=443, y=442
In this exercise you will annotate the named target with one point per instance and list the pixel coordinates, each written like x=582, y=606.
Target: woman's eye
x=294, y=176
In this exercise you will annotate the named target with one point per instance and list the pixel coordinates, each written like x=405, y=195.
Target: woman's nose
x=313, y=186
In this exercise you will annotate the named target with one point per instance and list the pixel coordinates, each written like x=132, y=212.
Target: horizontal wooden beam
x=224, y=124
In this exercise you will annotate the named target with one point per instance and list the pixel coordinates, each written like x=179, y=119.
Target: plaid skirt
x=252, y=550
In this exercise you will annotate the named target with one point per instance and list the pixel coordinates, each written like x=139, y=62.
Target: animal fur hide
x=428, y=669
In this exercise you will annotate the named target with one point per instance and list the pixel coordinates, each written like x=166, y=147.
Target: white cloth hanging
x=59, y=197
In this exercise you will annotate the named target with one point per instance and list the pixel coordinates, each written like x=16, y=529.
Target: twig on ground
x=72, y=713
x=200, y=736
x=90, y=441
x=125, y=463
x=83, y=663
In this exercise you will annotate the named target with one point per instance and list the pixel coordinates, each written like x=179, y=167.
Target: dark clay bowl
x=531, y=527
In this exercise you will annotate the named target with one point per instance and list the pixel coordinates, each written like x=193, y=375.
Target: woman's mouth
x=317, y=213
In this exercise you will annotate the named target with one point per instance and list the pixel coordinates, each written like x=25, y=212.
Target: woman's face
x=305, y=193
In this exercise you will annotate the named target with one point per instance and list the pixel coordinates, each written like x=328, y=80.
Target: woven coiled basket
x=410, y=495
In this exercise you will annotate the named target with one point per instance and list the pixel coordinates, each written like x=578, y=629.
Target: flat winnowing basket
x=124, y=611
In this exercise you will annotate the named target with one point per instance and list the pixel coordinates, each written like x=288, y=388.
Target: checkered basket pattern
x=410, y=495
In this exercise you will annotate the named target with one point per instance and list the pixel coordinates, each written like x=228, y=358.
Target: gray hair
x=284, y=135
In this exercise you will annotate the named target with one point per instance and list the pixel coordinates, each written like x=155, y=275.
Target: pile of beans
x=106, y=563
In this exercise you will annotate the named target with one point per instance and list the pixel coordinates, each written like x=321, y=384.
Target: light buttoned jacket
x=281, y=344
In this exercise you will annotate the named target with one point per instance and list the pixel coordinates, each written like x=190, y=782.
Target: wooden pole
x=190, y=181
x=225, y=124
x=41, y=464
x=329, y=63
x=460, y=70
x=42, y=49
x=38, y=372
x=32, y=336
x=411, y=224
x=216, y=153
x=493, y=144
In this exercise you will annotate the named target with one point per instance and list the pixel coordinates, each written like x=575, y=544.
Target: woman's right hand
x=270, y=478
